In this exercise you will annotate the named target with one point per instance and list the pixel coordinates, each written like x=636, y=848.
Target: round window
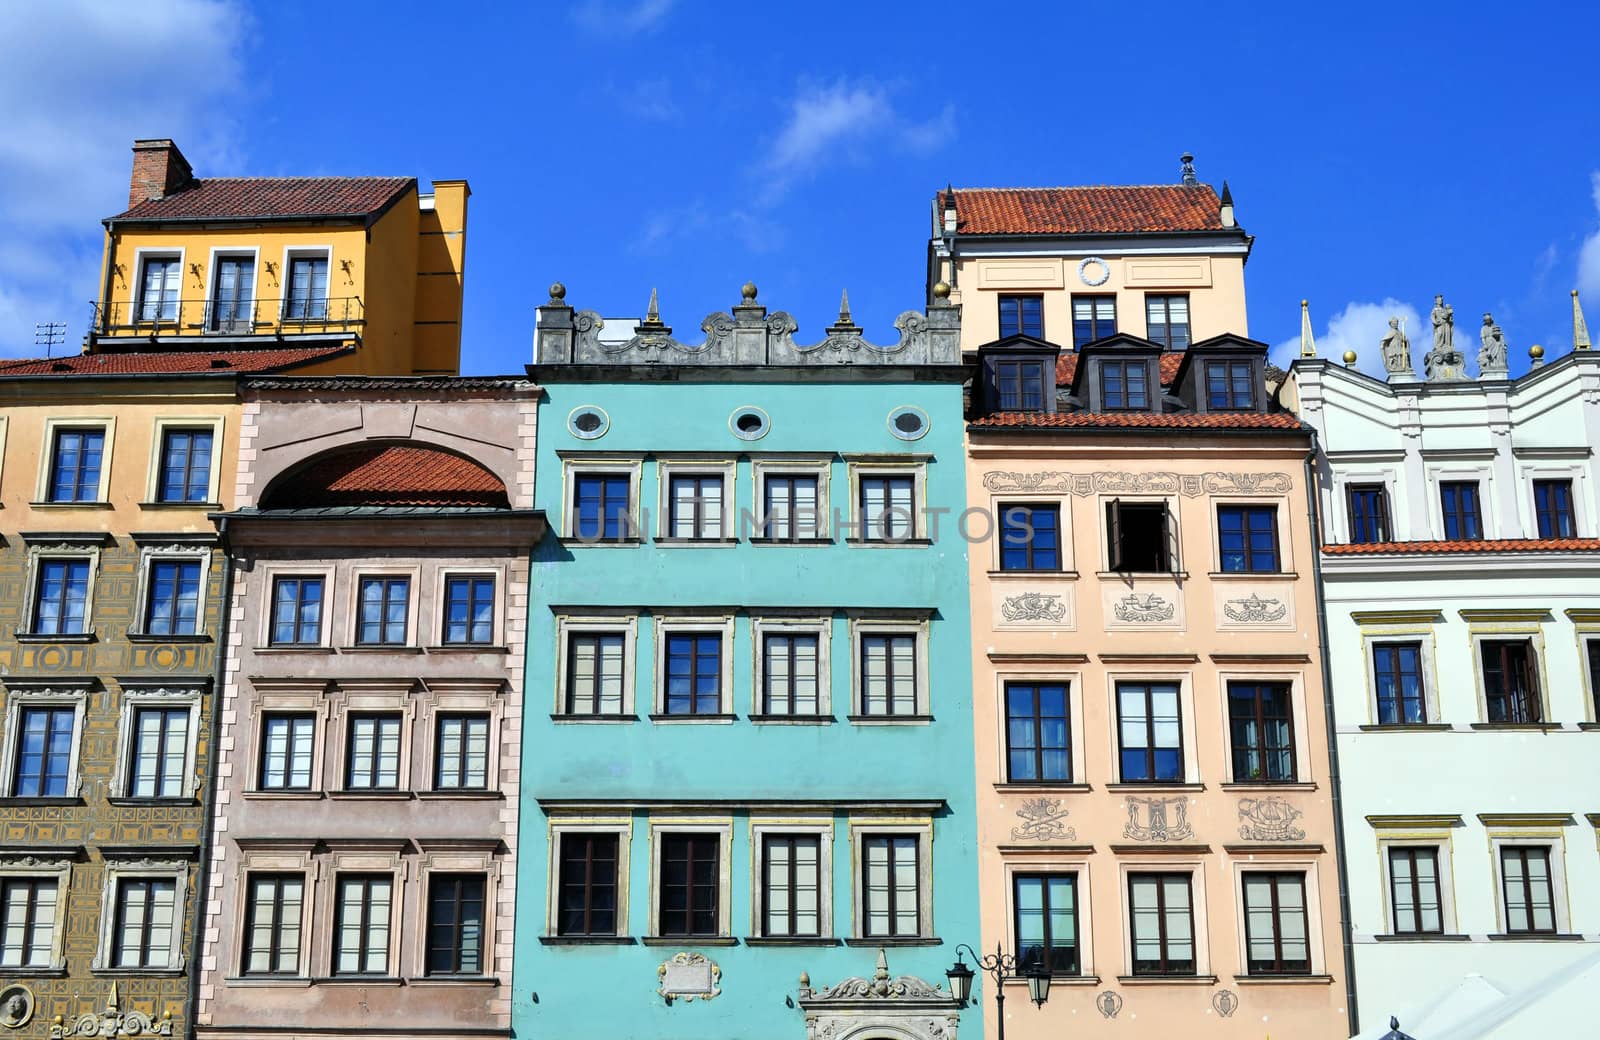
x=749, y=423
x=587, y=422
x=908, y=423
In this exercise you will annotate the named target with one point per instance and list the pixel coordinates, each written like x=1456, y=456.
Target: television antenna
x=49, y=334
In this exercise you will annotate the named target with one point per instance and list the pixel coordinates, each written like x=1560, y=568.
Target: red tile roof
x=1148, y=420
x=172, y=362
x=1490, y=546
x=389, y=475
x=1067, y=364
x=1107, y=209
x=247, y=198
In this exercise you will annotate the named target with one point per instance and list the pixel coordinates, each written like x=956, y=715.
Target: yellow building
x=366, y=270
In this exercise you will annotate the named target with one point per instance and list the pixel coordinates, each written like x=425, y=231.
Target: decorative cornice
x=1414, y=822
x=66, y=539
x=1556, y=819
x=1397, y=617
x=1583, y=615
x=1138, y=482
x=112, y=1023
x=879, y=988
x=1502, y=614
x=409, y=385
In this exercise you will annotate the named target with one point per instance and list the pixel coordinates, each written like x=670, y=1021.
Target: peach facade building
x=1156, y=803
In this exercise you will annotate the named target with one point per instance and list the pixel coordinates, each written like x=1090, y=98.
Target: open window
x=1139, y=537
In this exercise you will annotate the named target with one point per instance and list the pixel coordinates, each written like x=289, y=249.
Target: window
x=888, y=674
x=1038, y=743
x=1093, y=317
x=887, y=508
x=272, y=924
x=1458, y=503
x=586, y=895
x=1020, y=386
x=1022, y=316
x=791, y=511
x=694, y=508
x=1046, y=922
x=383, y=611
x=158, y=290
x=1525, y=880
x=1161, y=923
x=307, y=298
x=1138, y=537
x=75, y=460
x=455, y=924
x=1030, y=538
x=693, y=674
x=1414, y=891
x=1510, y=680
x=1167, y=321
x=61, y=602
x=690, y=892
x=185, y=465
x=1277, y=939
x=27, y=922
x=890, y=890
x=374, y=753
x=469, y=609
x=287, y=743
x=1249, y=537
x=462, y=753
x=160, y=753
x=1124, y=385
x=296, y=611
x=361, y=925
x=602, y=507
x=1552, y=508
x=172, y=605
x=1369, y=514
x=1592, y=648
x=1263, y=731
x=1230, y=386
x=594, y=673
x=143, y=930
x=44, y=752
x=789, y=674
x=230, y=305
x=1397, y=668
x=791, y=885
x=1150, y=733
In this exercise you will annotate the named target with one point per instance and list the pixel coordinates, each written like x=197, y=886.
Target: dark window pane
x=1277, y=936
x=601, y=507
x=1150, y=732
x=693, y=674
x=690, y=866
x=1022, y=315
x=1414, y=890
x=1369, y=514
x=1459, y=506
x=44, y=752
x=1262, y=728
x=1038, y=743
x=1249, y=538
x=587, y=895
x=1046, y=922
x=384, y=610
x=1510, y=680
x=455, y=924
x=469, y=609
x=1030, y=538
x=185, y=466
x=1397, y=669
x=1552, y=506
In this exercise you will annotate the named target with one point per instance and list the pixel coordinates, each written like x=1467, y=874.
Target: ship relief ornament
x=1269, y=819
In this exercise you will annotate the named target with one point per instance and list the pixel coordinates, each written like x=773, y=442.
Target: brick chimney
x=159, y=169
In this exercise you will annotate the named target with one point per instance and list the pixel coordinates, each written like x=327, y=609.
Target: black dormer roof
x=1118, y=343
x=1019, y=343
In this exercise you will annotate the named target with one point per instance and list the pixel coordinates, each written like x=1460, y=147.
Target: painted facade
x=757, y=819
x=361, y=881
x=232, y=264
x=1460, y=573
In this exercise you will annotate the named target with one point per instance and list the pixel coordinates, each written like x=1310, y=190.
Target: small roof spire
x=1580, y=328
x=844, y=307
x=1189, y=179
x=1227, y=196
x=652, y=313
x=1308, y=342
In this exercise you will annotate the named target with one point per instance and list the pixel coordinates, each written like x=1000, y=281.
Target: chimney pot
x=159, y=169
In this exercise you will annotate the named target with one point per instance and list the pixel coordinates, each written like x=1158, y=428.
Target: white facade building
x=1461, y=571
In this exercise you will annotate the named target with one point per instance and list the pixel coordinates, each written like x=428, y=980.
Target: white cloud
x=79, y=80
x=625, y=19
x=846, y=121
x=1589, y=252
x=1361, y=327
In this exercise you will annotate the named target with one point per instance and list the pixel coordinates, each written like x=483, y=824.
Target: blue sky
x=1380, y=154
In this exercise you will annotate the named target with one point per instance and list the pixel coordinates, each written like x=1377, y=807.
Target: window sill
x=372, y=648
x=1062, y=575
x=717, y=719
x=1589, y=727
x=884, y=940
x=1422, y=937
x=286, y=796
x=177, y=972
x=1142, y=576
x=588, y=940
x=469, y=795
x=287, y=649
x=269, y=981
x=131, y=801
x=150, y=637
x=70, y=505
x=1405, y=727
x=1535, y=937
x=73, y=637
x=484, y=981
x=358, y=980
x=371, y=796
x=792, y=720
x=1283, y=980
x=689, y=940
x=1157, y=785
x=1056, y=980
x=889, y=720
x=690, y=543
x=1252, y=575
x=576, y=542
x=790, y=940
x=1167, y=980
x=801, y=542
x=52, y=800
x=1041, y=787
x=467, y=648
x=1277, y=785
x=1518, y=727
x=596, y=719
x=209, y=507
x=22, y=971
x=887, y=543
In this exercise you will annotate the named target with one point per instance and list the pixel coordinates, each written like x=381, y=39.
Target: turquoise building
x=747, y=786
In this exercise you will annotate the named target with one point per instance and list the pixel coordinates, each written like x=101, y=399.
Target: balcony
x=222, y=320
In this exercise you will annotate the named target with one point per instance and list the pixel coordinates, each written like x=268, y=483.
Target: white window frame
x=155, y=695
x=668, y=469
x=916, y=625
x=1386, y=475
x=44, y=868
x=863, y=828
x=142, y=256
x=165, y=553
x=1186, y=721
x=809, y=826
x=1076, y=865
x=769, y=624
x=1299, y=719
x=297, y=252
x=1194, y=866
x=158, y=433
x=459, y=697
x=269, y=594
x=582, y=465
x=1552, y=837
x=722, y=826
x=367, y=858
x=453, y=857
x=63, y=550
x=131, y=868
x=819, y=469
x=65, y=695
x=234, y=252
x=387, y=697
x=1272, y=864
x=1481, y=474
x=441, y=603
x=1072, y=679
x=47, y=459
x=906, y=465
x=1586, y=630
x=413, y=575
x=291, y=697
x=275, y=856
x=1529, y=471
x=559, y=828
x=1409, y=835
x=665, y=625
x=627, y=625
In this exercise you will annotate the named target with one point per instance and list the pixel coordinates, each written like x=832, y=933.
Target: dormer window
x=1022, y=316
x=1230, y=386
x=1019, y=386
x=1124, y=385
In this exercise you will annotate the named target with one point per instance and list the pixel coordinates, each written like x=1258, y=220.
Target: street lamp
x=1000, y=966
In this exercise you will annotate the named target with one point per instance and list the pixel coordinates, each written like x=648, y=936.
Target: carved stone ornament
x=1108, y=1003
x=1165, y=819
x=112, y=1022
x=1033, y=606
x=1269, y=819
x=1156, y=482
x=689, y=976
x=16, y=1006
x=1254, y=610
x=861, y=1008
x=1042, y=821
x=1146, y=608
x=1225, y=1001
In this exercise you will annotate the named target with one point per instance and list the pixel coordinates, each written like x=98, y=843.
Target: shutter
x=1169, y=540
x=1114, y=534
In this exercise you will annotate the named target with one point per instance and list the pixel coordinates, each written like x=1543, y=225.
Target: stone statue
x=1396, y=348
x=1492, y=346
x=1444, y=362
x=1444, y=326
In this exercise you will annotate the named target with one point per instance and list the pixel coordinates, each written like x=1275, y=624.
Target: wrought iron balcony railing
x=292, y=316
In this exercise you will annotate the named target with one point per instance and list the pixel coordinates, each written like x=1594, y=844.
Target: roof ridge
x=310, y=177
x=1082, y=187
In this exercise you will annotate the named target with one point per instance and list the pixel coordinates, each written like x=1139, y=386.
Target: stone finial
x=1349, y=357
x=748, y=292
x=558, y=294
x=652, y=313
x=1308, y=342
x=941, y=290
x=844, y=307
x=1580, y=328
x=1536, y=355
x=882, y=970
x=1189, y=179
